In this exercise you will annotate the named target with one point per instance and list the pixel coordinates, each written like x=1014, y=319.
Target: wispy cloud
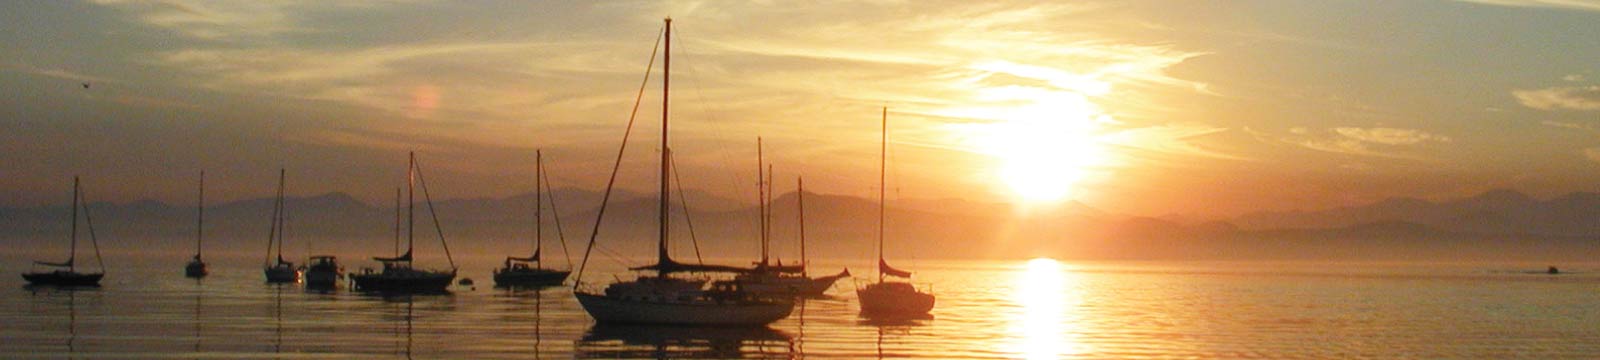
x=1376, y=142
x=1560, y=98
x=1584, y=5
x=54, y=72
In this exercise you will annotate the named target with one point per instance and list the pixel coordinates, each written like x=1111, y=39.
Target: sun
x=1043, y=153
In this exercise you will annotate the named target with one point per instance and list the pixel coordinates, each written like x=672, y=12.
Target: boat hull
x=789, y=286
x=282, y=275
x=322, y=278
x=195, y=269
x=419, y=282
x=63, y=278
x=609, y=310
x=530, y=277
x=894, y=299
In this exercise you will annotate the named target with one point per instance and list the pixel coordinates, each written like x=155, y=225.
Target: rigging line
x=272, y=231
x=709, y=114
x=555, y=214
x=684, y=200
x=436, y=228
x=611, y=183
x=83, y=199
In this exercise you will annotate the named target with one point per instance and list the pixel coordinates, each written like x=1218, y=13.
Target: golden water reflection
x=1039, y=326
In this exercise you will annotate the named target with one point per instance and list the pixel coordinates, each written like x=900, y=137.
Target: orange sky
x=1151, y=108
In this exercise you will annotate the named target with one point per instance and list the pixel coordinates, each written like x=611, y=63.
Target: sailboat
x=777, y=279
x=664, y=298
x=528, y=271
x=398, y=275
x=197, y=267
x=890, y=297
x=280, y=271
x=66, y=272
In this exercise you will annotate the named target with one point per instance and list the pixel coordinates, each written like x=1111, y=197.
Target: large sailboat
x=890, y=297
x=665, y=298
x=197, y=267
x=530, y=271
x=280, y=271
x=66, y=272
x=398, y=275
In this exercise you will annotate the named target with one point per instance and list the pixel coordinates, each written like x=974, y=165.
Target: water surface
x=986, y=309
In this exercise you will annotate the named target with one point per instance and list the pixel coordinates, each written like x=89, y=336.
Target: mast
x=200, y=222
x=281, y=213
x=538, y=203
x=411, y=203
x=883, y=156
x=72, y=250
x=761, y=200
x=766, y=217
x=397, y=221
x=666, y=76
x=801, y=198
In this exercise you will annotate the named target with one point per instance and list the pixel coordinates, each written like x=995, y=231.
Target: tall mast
x=761, y=200
x=397, y=222
x=281, y=213
x=801, y=198
x=72, y=250
x=538, y=201
x=666, y=76
x=766, y=217
x=883, y=156
x=411, y=203
x=200, y=222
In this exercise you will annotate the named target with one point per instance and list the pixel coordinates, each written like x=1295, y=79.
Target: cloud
x=1565, y=125
x=1389, y=136
x=54, y=72
x=1561, y=98
x=1592, y=153
x=1583, y=5
x=1376, y=142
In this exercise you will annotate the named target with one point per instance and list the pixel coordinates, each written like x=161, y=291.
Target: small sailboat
x=280, y=271
x=66, y=272
x=529, y=271
x=666, y=299
x=890, y=297
x=197, y=267
x=777, y=279
x=398, y=275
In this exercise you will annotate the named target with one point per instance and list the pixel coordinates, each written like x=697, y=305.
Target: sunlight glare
x=1044, y=135
x=1041, y=292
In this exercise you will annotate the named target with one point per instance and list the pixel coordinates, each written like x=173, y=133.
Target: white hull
x=617, y=311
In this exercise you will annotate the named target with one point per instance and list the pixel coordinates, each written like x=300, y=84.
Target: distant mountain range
x=1500, y=224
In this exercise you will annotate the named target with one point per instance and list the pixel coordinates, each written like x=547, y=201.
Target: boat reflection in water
x=613, y=341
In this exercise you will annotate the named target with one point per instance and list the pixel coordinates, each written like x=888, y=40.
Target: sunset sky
x=1151, y=108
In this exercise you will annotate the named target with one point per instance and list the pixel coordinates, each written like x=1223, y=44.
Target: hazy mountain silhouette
x=1494, y=224
x=1498, y=212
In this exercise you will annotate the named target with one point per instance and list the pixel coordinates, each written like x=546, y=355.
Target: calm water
x=1038, y=310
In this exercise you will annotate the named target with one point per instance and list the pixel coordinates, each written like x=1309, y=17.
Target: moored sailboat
x=66, y=272
x=665, y=298
x=530, y=271
x=890, y=297
x=280, y=271
x=196, y=268
x=776, y=279
x=398, y=275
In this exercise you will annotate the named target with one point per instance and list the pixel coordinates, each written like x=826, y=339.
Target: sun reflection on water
x=1039, y=328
